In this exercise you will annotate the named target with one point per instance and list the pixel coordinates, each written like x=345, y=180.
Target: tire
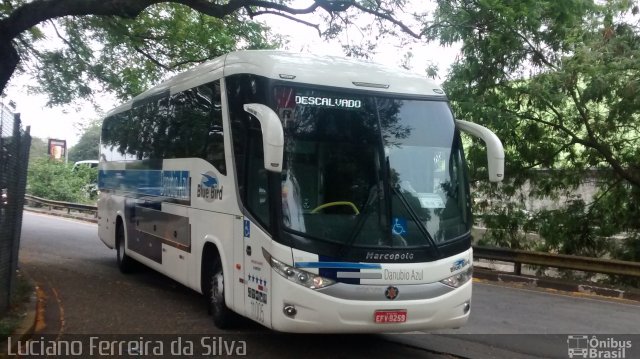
x=222, y=316
x=125, y=263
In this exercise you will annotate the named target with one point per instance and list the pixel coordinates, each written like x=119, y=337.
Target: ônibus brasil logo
x=596, y=347
x=209, y=188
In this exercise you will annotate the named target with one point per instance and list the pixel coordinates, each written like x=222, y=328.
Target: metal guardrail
x=62, y=205
x=563, y=261
x=516, y=256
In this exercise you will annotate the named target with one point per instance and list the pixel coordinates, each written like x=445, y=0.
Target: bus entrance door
x=256, y=275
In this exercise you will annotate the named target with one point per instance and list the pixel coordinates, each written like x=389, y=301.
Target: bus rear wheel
x=222, y=315
x=125, y=263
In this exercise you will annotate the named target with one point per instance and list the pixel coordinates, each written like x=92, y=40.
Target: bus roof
x=298, y=68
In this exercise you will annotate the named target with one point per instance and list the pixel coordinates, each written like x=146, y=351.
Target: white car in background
x=90, y=163
x=90, y=189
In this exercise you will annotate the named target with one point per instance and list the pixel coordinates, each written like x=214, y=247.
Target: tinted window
x=148, y=120
x=247, y=143
x=117, y=141
x=187, y=124
x=195, y=126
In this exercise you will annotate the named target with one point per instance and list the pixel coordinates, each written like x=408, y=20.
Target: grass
x=10, y=320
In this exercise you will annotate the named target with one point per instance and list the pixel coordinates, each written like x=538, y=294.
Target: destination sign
x=328, y=102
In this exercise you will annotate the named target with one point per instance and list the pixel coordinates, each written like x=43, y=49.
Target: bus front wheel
x=222, y=315
x=125, y=263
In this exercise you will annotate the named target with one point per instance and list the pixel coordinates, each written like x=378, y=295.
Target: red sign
x=57, y=149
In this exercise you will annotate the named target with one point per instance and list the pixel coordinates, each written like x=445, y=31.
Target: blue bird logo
x=459, y=264
x=209, y=181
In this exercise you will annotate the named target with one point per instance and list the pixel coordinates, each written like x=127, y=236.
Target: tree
x=124, y=45
x=57, y=180
x=87, y=146
x=38, y=148
x=559, y=82
x=135, y=54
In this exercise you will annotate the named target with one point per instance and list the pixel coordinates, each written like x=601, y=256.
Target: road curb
x=25, y=330
x=556, y=284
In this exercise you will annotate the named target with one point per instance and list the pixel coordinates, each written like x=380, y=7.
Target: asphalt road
x=86, y=294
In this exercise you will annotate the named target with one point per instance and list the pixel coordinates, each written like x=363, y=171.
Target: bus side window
x=148, y=122
x=214, y=152
x=116, y=141
x=195, y=125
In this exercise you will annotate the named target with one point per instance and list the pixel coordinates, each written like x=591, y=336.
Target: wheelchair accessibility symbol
x=399, y=226
x=247, y=228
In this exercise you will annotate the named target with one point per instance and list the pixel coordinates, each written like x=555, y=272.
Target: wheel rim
x=120, y=252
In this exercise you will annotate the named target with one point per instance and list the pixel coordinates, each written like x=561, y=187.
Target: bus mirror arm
x=272, y=135
x=495, y=151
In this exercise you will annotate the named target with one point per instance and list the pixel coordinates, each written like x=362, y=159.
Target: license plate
x=390, y=316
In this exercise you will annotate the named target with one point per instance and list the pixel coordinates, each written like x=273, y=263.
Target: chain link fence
x=14, y=158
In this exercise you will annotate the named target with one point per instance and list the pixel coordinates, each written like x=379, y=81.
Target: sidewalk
x=25, y=329
x=556, y=284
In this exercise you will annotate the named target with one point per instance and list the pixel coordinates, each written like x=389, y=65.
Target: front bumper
x=317, y=312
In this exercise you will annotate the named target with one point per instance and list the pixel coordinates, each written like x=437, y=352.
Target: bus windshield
x=369, y=171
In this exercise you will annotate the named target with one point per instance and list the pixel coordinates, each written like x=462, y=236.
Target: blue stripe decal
x=340, y=265
x=168, y=183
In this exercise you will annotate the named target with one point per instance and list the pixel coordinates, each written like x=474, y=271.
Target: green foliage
x=87, y=147
x=127, y=56
x=124, y=46
x=506, y=224
x=58, y=181
x=558, y=81
x=38, y=148
x=569, y=230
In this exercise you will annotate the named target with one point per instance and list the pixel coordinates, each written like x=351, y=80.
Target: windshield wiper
x=416, y=219
x=362, y=218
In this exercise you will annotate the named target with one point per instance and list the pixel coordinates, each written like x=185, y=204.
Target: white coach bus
x=310, y=194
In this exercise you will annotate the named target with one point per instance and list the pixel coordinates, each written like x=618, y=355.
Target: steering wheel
x=337, y=203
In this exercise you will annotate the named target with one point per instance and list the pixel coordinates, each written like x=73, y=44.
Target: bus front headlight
x=296, y=275
x=459, y=279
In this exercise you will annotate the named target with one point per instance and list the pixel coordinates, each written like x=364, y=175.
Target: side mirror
x=495, y=151
x=272, y=135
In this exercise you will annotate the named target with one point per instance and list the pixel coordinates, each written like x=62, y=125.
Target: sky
x=62, y=122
